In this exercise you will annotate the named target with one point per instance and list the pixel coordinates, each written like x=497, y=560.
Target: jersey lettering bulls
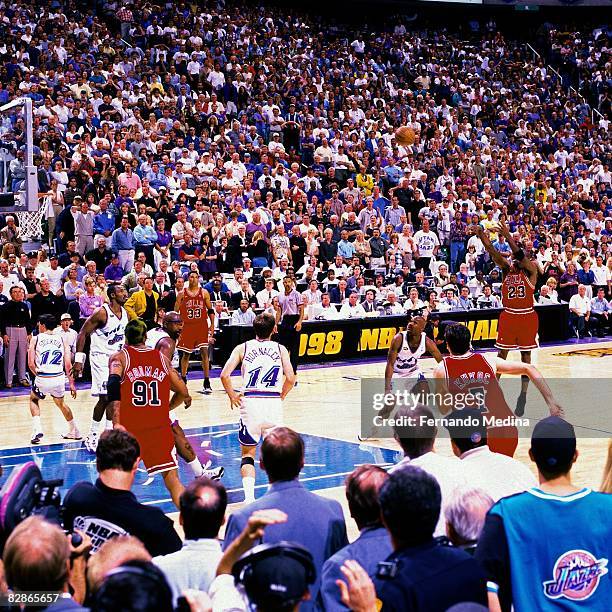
x=517, y=292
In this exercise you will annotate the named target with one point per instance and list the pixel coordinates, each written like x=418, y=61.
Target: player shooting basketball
x=518, y=322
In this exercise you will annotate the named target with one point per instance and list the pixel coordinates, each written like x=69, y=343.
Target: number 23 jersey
x=145, y=390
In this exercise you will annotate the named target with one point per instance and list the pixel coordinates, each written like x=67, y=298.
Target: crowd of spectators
x=434, y=532
x=257, y=144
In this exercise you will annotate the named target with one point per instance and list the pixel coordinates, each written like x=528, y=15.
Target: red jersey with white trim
x=193, y=309
x=145, y=391
x=472, y=372
x=517, y=292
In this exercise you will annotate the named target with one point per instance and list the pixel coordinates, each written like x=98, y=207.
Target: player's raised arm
x=289, y=381
x=116, y=369
x=226, y=375
x=518, y=368
x=93, y=322
x=394, y=349
x=496, y=256
x=518, y=253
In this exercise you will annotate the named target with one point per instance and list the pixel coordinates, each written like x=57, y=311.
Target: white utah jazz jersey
x=154, y=336
x=407, y=364
x=49, y=355
x=109, y=339
x=262, y=369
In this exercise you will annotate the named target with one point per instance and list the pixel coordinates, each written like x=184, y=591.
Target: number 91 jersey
x=262, y=369
x=145, y=391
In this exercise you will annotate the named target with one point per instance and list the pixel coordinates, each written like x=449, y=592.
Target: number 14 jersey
x=262, y=368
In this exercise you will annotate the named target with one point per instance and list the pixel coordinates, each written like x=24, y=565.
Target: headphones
x=244, y=567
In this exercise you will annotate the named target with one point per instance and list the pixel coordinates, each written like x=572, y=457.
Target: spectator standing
x=312, y=521
x=536, y=545
x=123, y=244
x=16, y=326
x=109, y=508
x=289, y=315
x=373, y=544
x=202, y=512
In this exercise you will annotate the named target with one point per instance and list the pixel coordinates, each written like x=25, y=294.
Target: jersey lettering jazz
x=407, y=365
x=145, y=400
x=262, y=376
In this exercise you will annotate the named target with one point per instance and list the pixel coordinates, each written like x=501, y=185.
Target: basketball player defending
x=106, y=328
x=49, y=360
x=164, y=340
x=193, y=304
x=518, y=322
x=403, y=363
x=464, y=371
x=263, y=364
x=139, y=387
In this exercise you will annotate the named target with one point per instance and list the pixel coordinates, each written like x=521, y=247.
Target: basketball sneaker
x=37, y=437
x=520, y=404
x=214, y=473
x=206, y=388
x=72, y=434
x=91, y=442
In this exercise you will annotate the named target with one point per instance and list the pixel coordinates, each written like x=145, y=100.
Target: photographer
x=39, y=556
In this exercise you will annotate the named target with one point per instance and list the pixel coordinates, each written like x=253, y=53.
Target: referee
x=289, y=317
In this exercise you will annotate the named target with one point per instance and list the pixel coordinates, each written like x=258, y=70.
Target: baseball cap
x=114, y=255
x=53, y=257
x=65, y=317
x=275, y=578
x=553, y=443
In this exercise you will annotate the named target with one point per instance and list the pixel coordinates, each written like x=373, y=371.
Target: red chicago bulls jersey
x=193, y=309
x=517, y=292
x=472, y=372
x=145, y=391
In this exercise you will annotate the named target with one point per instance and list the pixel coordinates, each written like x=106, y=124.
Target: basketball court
x=325, y=407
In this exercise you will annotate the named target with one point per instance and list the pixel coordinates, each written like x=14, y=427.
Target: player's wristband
x=79, y=358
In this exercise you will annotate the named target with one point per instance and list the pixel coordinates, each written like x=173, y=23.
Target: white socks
x=36, y=424
x=248, y=483
x=109, y=424
x=95, y=426
x=196, y=468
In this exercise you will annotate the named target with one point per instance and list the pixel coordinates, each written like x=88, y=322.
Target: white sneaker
x=73, y=434
x=214, y=473
x=91, y=442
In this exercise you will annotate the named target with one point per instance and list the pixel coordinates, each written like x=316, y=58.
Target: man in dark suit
x=237, y=247
x=338, y=294
x=245, y=293
x=217, y=294
x=101, y=255
x=312, y=521
x=163, y=290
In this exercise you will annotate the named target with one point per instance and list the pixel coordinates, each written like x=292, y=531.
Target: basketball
x=405, y=135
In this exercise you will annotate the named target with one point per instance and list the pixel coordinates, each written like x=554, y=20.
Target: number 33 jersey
x=145, y=391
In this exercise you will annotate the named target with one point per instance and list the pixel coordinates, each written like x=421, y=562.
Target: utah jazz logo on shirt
x=576, y=576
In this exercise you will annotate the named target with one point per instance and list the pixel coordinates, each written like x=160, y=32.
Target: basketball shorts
x=157, y=450
x=55, y=386
x=503, y=440
x=193, y=338
x=257, y=415
x=517, y=331
x=98, y=362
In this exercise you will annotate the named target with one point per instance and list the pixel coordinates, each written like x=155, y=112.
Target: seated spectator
x=488, y=299
x=243, y=315
x=109, y=507
x=202, y=512
x=600, y=314
x=352, y=309
x=465, y=514
x=373, y=544
x=312, y=521
x=414, y=304
x=580, y=312
x=391, y=307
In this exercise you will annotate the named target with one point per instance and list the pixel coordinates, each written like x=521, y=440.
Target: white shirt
x=448, y=471
x=351, y=312
x=426, y=242
x=580, y=304
x=496, y=474
x=192, y=567
x=323, y=314
x=265, y=297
